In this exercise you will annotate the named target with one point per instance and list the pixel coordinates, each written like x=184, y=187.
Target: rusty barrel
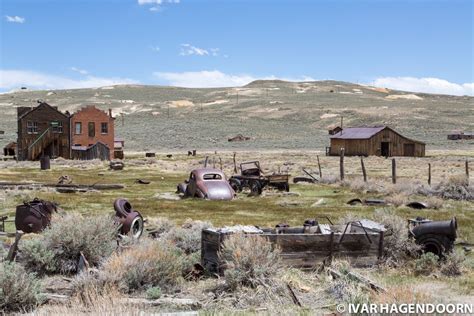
x=45, y=163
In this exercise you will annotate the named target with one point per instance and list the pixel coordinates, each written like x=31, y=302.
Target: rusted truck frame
x=252, y=177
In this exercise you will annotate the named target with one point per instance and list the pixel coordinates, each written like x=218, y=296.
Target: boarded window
x=104, y=128
x=32, y=127
x=91, y=129
x=78, y=128
x=57, y=127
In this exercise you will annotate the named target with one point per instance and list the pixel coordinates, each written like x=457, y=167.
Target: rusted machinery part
x=122, y=207
x=374, y=202
x=445, y=228
x=436, y=237
x=417, y=205
x=34, y=216
x=132, y=224
x=131, y=220
x=303, y=179
x=141, y=181
x=354, y=201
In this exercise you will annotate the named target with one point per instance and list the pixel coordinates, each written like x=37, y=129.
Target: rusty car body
x=252, y=177
x=437, y=237
x=207, y=183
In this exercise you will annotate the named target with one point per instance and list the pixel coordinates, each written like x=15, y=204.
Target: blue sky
x=411, y=45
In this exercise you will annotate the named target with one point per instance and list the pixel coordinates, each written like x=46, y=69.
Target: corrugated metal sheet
x=358, y=132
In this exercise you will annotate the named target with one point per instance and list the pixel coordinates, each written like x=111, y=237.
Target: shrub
x=456, y=188
x=19, y=290
x=149, y=263
x=58, y=248
x=188, y=236
x=453, y=263
x=426, y=264
x=153, y=293
x=250, y=261
x=344, y=288
x=398, y=247
x=161, y=225
x=398, y=199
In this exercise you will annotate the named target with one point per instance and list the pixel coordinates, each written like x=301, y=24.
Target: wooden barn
x=374, y=141
x=42, y=130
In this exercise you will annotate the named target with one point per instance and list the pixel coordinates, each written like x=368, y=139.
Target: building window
x=91, y=129
x=57, y=127
x=32, y=127
x=104, y=128
x=78, y=128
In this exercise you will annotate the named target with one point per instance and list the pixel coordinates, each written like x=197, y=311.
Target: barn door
x=385, y=149
x=409, y=150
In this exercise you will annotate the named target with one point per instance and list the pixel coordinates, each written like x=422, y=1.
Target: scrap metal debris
x=116, y=165
x=367, y=202
x=131, y=220
x=34, y=216
x=437, y=237
x=238, y=138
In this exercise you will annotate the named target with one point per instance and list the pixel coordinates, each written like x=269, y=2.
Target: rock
x=319, y=203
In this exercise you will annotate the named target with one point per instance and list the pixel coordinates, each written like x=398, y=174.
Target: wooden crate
x=304, y=250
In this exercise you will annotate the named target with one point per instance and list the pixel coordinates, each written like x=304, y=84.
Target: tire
x=235, y=184
x=123, y=207
x=439, y=245
x=255, y=188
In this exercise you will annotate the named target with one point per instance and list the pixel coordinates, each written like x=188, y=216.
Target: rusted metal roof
x=358, y=132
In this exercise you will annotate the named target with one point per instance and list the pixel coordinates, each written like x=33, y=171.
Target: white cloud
x=188, y=49
x=155, y=49
x=213, y=78
x=157, y=4
x=14, y=79
x=427, y=85
x=15, y=19
x=78, y=70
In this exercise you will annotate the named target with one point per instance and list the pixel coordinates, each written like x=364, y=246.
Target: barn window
x=91, y=129
x=32, y=127
x=78, y=128
x=104, y=128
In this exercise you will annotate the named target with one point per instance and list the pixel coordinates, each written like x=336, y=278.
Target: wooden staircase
x=41, y=142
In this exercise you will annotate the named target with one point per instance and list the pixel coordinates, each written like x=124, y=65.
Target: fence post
x=394, y=171
x=429, y=174
x=467, y=171
x=341, y=164
x=205, y=161
x=319, y=167
x=235, y=163
x=364, y=173
x=220, y=162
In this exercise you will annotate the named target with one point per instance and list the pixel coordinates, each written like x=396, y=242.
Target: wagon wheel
x=235, y=184
x=255, y=188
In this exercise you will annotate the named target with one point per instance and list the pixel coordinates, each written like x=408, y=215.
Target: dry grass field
x=158, y=200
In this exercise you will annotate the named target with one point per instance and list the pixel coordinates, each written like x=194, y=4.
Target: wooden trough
x=361, y=243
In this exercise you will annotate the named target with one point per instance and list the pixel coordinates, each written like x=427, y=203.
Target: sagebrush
x=58, y=248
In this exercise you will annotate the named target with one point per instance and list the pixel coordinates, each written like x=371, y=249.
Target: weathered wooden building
x=460, y=135
x=92, y=129
x=98, y=150
x=374, y=141
x=42, y=130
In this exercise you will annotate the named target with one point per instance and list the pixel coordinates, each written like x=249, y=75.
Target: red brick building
x=89, y=126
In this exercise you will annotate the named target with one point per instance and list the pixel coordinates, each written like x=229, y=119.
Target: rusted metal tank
x=130, y=219
x=45, y=163
x=34, y=216
x=435, y=236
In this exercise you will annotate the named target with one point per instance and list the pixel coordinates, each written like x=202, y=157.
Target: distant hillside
x=275, y=114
